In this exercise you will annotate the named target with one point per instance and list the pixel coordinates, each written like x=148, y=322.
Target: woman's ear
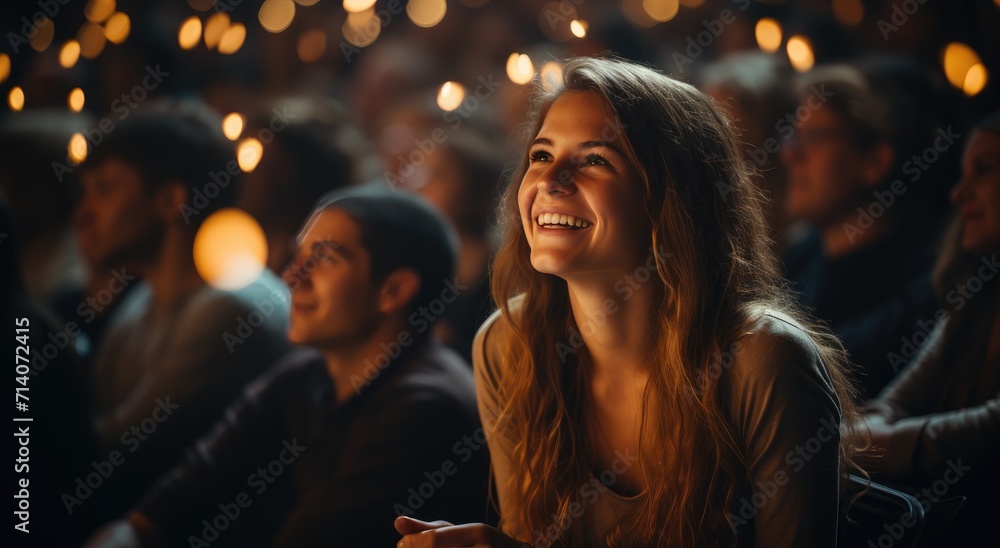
x=398, y=290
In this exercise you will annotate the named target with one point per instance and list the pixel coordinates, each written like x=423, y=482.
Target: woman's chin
x=547, y=264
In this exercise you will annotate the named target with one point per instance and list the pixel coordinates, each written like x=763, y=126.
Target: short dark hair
x=400, y=230
x=171, y=140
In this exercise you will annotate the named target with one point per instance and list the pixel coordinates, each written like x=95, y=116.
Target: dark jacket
x=289, y=466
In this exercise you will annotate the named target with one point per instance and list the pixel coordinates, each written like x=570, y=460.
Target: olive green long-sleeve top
x=783, y=409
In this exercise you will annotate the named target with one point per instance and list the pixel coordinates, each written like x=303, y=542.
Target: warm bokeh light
x=635, y=13
x=4, y=66
x=117, y=27
x=311, y=45
x=800, y=53
x=92, y=40
x=957, y=60
x=248, y=153
x=232, y=125
x=215, y=27
x=362, y=28
x=69, y=54
x=45, y=30
x=232, y=40
x=849, y=12
x=554, y=20
x=77, y=149
x=16, y=98
x=450, y=96
x=276, y=15
x=975, y=80
x=578, y=28
x=426, y=13
x=768, y=34
x=190, y=32
x=354, y=6
x=519, y=68
x=230, y=249
x=551, y=75
x=307, y=3
x=76, y=99
x=97, y=11
x=661, y=10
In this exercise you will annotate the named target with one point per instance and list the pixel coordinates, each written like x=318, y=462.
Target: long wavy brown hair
x=705, y=210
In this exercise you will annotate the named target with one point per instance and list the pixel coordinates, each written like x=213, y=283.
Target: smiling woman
x=704, y=408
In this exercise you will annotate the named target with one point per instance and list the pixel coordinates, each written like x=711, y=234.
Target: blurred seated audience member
x=177, y=350
x=37, y=178
x=754, y=88
x=48, y=382
x=862, y=267
x=310, y=150
x=386, y=73
x=373, y=419
x=940, y=419
x=461, y=179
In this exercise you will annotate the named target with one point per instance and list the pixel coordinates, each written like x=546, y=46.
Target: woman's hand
x=441, y=534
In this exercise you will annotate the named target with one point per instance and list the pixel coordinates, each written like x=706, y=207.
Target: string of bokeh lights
x=228, y=265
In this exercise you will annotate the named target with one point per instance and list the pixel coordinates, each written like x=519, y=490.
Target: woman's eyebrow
x=584, y=145
x=602, y=144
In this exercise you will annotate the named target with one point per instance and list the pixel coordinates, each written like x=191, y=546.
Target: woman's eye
x=538, y=156
x=594, y=159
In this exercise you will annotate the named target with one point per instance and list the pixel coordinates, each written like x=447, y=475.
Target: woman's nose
x=558, y=178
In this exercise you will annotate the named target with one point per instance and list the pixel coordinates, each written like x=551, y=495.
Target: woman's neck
x=614, y=321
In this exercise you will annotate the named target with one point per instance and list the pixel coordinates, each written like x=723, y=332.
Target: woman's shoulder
x=776, y=347
x=493, y=342
x=495, y=335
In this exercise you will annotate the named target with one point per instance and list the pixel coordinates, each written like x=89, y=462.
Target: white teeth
x=553, y=219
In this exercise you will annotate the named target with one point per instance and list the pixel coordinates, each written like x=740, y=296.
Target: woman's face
x=581, y=202
x=978, y=193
